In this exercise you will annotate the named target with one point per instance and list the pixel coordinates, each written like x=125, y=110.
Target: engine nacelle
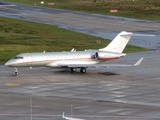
x=103, y=55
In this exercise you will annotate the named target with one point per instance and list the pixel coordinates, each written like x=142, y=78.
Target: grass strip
x=140, y=9
x=19, y=36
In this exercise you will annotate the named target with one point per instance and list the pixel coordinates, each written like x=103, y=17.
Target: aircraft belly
x=77, y=62
x=52, y=64
x=65, y=63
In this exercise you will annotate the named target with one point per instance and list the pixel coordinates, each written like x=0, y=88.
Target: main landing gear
x=73, y=70
x=82, y=70
x=16, y=71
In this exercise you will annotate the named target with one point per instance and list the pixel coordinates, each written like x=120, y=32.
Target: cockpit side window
x=18, y=57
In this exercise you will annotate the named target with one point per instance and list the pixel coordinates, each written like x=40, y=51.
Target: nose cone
x=7, y=64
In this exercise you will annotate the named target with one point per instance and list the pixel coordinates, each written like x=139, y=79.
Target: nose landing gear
x=16, y=71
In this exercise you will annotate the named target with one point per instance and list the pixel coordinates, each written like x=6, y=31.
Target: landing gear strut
x=16, y=71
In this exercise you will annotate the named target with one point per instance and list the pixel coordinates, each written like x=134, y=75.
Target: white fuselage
x=61, y=59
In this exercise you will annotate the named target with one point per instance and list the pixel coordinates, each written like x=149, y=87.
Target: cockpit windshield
x=18, y=57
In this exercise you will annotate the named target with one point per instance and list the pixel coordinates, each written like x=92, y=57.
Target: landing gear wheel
x=73, y=70
x=83, y=70
x=16, y=73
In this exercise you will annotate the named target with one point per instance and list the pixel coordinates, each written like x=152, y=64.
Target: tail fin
x=118, y=43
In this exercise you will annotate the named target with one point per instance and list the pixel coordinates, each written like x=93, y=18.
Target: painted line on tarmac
x=7, y=5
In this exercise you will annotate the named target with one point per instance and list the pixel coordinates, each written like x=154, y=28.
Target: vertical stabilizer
x=118, y=43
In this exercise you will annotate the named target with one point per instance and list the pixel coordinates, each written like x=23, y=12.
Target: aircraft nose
x=10, y=63
x=7, y=64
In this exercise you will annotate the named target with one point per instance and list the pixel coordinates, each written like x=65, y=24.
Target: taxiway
x=112, y=94
x=98, y=25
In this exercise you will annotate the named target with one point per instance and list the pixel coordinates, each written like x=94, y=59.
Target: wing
x=101, y=65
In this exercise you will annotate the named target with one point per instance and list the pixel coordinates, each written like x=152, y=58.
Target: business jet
x=76, y=59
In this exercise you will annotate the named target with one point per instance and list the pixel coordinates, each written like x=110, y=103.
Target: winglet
x=138, y=62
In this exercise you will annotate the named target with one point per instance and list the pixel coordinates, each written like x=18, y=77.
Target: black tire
x=73, y=70
x=16, y=73
x=83, y=70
